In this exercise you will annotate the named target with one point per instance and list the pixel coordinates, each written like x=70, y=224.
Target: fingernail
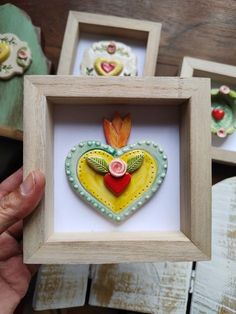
x=27, y=186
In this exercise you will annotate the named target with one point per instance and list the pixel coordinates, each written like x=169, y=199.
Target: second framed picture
x=223, y=105
x=100, y=45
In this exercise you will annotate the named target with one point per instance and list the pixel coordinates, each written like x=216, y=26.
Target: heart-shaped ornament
x=95, y=187
x=107, y=67
x=116, y=179
x=218, y=114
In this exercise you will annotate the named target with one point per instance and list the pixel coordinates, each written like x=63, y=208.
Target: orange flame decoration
x=118, y=130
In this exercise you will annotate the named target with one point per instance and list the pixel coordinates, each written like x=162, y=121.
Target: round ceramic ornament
x=109, y=58
x=116, y=179
x=15, y=56
x=223, y=111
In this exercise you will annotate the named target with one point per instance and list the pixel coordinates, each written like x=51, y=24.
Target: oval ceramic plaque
x=106, y=58
x=223, y=111
x=15, y=56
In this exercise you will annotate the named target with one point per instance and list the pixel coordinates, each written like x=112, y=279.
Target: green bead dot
x=89, y=143
x=69, y=156
x=73, y=149
x=71, y=179
x=76, y=186
x=68, y=172
x=118, y=218
x=81, y=144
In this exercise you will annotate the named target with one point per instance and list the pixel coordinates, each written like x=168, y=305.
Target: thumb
x=21, y=202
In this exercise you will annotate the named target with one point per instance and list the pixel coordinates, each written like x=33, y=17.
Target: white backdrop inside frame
x=86, y=40
x=76, y=123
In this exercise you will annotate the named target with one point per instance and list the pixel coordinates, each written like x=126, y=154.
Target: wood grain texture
x=215, y=282
x=41, y=245
x=201, y=29
x=11, y=91
x=221, y=73
x=60, y=286
x=147, y=288
x=78, y=22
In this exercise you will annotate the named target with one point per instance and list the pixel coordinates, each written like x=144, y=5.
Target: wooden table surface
x=196, y=28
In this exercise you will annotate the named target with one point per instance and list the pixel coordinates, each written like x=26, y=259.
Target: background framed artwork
x=223, y=150
x=83, y=29
x=57, y=116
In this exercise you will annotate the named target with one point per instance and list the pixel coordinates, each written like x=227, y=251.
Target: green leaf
x=98, y=164
x=214, y=91
x=135, y=162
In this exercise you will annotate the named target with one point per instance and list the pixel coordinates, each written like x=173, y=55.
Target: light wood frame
x=78, y=22
x=224, y=73
x=192, y=242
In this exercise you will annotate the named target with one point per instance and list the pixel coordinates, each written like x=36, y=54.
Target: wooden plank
x=148, y=288
x=60, y=286
x=215, y=283
x=11, y=91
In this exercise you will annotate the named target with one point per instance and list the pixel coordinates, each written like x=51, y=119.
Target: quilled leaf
x=117, y=122
x=110, y=133
x=98, y=164
x=118, y=130
x=124, y=131
x=135, y=162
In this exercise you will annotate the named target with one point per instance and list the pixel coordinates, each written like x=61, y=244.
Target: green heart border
x=83, y=147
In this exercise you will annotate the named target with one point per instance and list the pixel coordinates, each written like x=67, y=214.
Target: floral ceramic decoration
x=109, y=58
x=223, y=111
x=116, y=179
x=15, y=56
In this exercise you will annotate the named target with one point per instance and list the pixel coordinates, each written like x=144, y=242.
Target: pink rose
x=117, y=167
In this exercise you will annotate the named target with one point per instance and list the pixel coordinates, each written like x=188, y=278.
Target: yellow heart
x=107, y=67
x=4, y=51
x=142, y=180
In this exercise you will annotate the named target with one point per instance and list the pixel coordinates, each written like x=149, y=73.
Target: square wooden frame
x=193, y=242
x=77, y=22
x=220, y=72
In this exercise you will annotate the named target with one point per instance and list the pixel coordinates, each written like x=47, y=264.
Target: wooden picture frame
x=192, y=98
x=218, y=72
x=80, y=22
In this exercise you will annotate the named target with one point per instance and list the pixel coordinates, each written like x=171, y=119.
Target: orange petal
x=110, y=133
x=117, y=122
x=124, y=133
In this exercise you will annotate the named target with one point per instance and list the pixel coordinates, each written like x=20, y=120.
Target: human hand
x=17, y=200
